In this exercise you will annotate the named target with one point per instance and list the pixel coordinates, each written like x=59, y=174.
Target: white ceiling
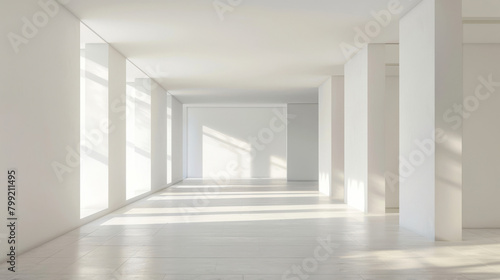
x=262, y=51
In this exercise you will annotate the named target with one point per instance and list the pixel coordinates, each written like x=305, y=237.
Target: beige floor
x=254, y=230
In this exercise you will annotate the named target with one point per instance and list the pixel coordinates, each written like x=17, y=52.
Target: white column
x=365, y=129
x=177, y=140
x=325, y=137
x=117, y=128
x=337, y=190
x=331, y=138
x=392, y=142
x=142, y=134
x=430, y=149
x=158, y=137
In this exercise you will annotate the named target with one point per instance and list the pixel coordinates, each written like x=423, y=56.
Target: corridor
x=254, y=230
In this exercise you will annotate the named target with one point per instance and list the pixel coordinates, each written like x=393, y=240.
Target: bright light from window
x=93, y=120
x=138, y=152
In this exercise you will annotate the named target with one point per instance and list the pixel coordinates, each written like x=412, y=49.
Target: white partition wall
x=430, y=85
x=302, y=142
x=325, y=137
x=338, y=187
x=392, y=128
x=365, y=129
x=481, y=136
x=236, y=142
x=392, y=142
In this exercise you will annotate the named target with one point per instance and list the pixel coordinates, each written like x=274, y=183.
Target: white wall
x=376, y=128
x=392, y=142
x=356, y=130
x=481, y=136
x=365, y=129
x=430, y=85
x=417, y=206
x=302, y=142
x=40, y=111
x=253, y=138
x=338, y=184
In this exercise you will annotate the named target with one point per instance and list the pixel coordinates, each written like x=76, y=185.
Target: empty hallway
x=255, y=230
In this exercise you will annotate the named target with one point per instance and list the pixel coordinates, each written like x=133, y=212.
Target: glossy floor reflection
x=254, y=230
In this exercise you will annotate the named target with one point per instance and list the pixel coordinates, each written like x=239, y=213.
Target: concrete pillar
x=430, y=148
x=365, y=129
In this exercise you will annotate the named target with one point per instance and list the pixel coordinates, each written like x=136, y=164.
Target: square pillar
x=365, y=129
x=331, y=137
x=430, y=148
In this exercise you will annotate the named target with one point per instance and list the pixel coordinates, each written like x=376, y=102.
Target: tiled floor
x=264, y=231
